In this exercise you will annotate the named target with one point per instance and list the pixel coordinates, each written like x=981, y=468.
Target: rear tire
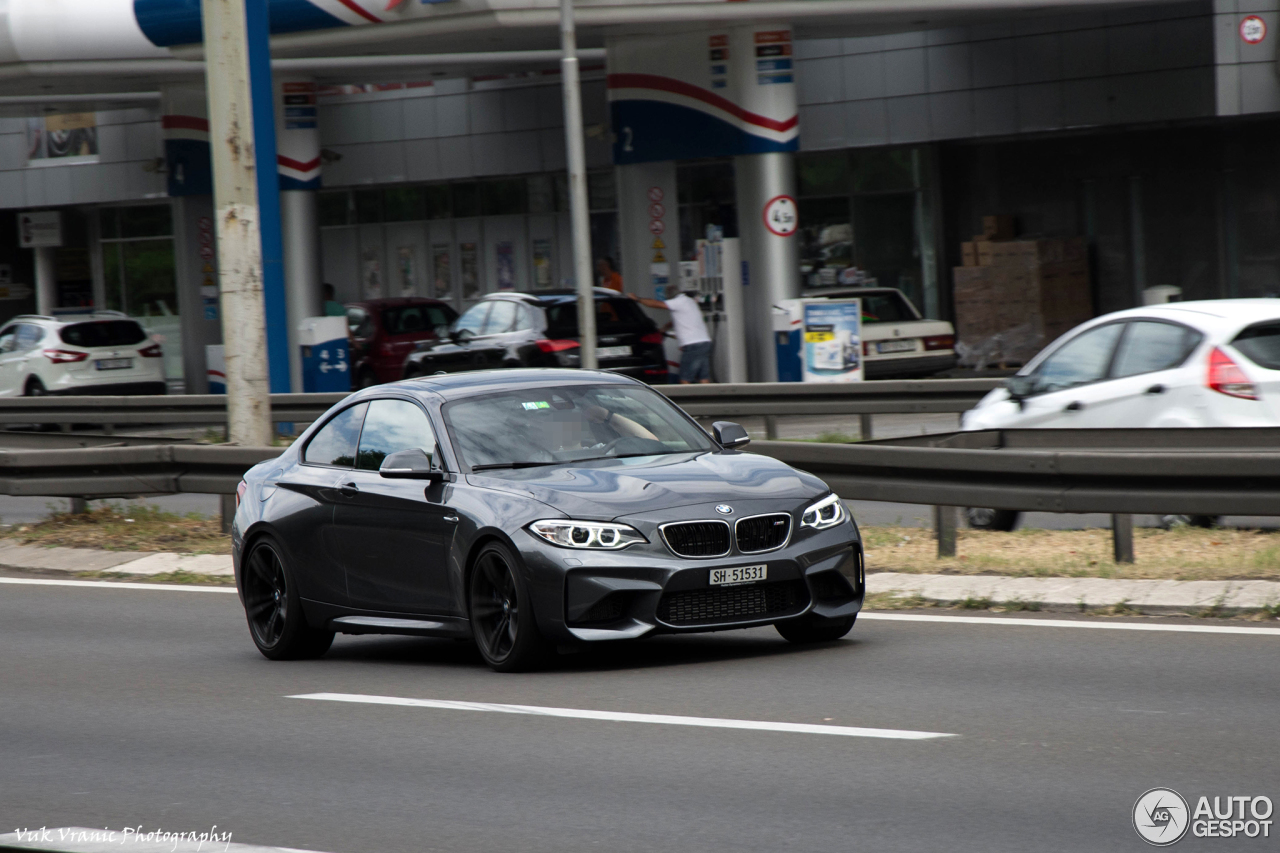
x=501, y=612
x=815, y=629
x=274, y=609
x=992, y=519
x=35, y=388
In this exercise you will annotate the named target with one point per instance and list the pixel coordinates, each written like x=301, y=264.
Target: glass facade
x=138, y=273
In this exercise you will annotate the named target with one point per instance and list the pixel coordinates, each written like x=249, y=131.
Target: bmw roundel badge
x=724, y=509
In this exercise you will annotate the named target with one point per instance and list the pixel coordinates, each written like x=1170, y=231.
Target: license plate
x=739, y=574
x=895, y=346
x=613, y=352
x=113, y=363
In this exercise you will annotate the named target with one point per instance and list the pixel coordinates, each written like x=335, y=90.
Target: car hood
x=608, y=489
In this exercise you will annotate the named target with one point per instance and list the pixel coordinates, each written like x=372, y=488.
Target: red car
x=384, y=331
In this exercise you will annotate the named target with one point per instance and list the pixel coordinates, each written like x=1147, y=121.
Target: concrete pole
x=577, y=160
x=235, y=201
x=46, y=282
x=300, y=218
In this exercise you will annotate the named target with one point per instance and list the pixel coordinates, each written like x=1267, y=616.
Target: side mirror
x=410, y=465
x=1020, y=387
x=461, y=335
x=730, y=435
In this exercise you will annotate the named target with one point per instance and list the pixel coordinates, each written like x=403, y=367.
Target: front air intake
x=697, y=538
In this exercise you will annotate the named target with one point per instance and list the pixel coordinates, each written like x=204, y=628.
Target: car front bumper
x=612, y=595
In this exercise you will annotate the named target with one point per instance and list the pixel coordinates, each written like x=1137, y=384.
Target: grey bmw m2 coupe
x=534, y=509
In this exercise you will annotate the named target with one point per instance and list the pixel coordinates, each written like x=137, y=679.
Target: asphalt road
x=127, y=707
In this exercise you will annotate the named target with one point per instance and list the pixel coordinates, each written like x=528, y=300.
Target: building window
x=707, y=196
x=138, y=273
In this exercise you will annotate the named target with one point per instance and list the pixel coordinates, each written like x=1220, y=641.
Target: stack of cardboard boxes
x=1014, y=296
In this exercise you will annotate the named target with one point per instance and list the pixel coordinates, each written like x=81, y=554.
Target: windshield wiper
x=496, y=465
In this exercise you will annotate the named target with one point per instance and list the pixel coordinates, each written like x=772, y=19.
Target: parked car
x=531, y=509
x=1214, y=363
x=541, y=330
x=384, y=332
x=897, y=341
x=103, y=352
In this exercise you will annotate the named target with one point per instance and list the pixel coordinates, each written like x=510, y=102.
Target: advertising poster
x=469, y=269
x=61, y=139
x=505, y=257
x=832, y=340
x=441, y=273
x=541, y=264
x=371, y=275
x=408, y=278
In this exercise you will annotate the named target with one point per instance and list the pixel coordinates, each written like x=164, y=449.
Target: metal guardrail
x=750, y=399
x=111, y=472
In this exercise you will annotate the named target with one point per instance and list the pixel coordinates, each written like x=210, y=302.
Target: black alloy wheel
x=980, y=518
x=271, y=604
x=501, y=616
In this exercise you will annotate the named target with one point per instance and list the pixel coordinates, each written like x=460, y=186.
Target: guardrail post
x=228, y=511
x=944, y=526
x=864, y=427
x=1122, y=537
x=79, y=506
x=771, y=427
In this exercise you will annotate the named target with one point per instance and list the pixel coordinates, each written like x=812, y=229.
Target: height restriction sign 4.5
x=780, y=215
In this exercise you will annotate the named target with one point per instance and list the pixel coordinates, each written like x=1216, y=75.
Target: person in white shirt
x=691, y=335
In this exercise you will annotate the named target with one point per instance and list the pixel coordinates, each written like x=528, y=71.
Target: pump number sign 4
x=780, y=215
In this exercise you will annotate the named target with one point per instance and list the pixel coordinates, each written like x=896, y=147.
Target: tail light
x=866, y=347
x=556, y=346
x=651, y=338
x=153, y=351
x=940, y=342
x=1226, y=377
x=240, y=490
x=62, y=356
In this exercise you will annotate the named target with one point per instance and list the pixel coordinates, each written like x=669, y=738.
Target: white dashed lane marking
x=624, y=717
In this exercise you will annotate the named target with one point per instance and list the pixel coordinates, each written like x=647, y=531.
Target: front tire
x=502, y=620
x=815, y=629
x=992, y=519
x=274, y=609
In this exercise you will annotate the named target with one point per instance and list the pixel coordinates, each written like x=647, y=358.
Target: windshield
x=547, y=426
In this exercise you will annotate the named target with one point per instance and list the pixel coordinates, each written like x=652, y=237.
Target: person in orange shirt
x=608, y=276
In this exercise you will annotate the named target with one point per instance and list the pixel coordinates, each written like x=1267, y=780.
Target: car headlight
x=598, y=535
x=827, y=512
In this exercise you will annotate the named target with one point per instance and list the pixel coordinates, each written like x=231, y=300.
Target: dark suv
x=384, y=331
x=541, y=330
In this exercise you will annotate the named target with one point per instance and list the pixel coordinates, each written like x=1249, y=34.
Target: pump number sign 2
x=780, y=215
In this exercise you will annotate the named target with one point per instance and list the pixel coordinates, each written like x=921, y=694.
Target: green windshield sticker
x=539, y=405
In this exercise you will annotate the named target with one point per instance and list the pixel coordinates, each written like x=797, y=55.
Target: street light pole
x=578, y=210
x=235, y=200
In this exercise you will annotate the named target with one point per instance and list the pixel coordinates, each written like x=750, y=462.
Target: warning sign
x=659, y=258
x=658, y=244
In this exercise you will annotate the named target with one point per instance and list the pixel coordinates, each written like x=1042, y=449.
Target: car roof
x=396, y=301
x=1226, y=309
x=456, y=385
x=71, y=317
x=558, y=296
x=818, y=293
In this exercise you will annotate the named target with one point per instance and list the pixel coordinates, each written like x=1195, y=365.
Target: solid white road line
x=622, y=717
x=121, y=585
x=1069, y=623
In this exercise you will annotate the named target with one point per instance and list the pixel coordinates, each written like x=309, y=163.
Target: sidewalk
x=71, y=560
x=1151, y=596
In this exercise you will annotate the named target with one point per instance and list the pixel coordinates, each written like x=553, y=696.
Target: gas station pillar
x=766, y=229
x=649, y=229
x=298, y=163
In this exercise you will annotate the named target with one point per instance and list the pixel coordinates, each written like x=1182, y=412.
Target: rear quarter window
x=1260, y=343
x=103, y=333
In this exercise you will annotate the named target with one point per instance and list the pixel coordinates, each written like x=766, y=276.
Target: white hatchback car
x=1185, y=364
x=105, y=352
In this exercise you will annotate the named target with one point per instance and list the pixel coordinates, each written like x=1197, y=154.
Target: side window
x=1081, y=360
x=525, y=318
x=359, y=323
x=1148, y=347
x=28, y=336
x=472, y=319
x=335, y=443
x=501, y=318
x=392, y=426
x=8, y=339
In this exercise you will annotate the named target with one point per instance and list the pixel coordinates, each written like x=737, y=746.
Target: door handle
x=1157, y=389
x=1074, y=406
x=449, y=519
x=349, y=490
